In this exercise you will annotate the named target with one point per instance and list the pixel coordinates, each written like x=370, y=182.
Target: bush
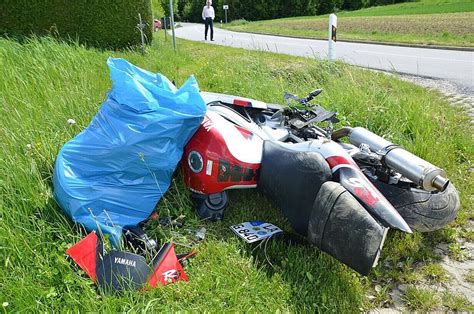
x=354, y=4
x=238, y=22
x=105, y=23
x=329, y=6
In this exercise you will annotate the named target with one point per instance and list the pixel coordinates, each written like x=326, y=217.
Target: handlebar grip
x=313, y=94
x=316, y=92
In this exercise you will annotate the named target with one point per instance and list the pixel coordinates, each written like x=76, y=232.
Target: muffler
x=421, y=172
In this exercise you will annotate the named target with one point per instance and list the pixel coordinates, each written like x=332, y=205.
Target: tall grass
x=44, y=83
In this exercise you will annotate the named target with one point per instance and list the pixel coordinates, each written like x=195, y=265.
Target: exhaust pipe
x=421, y=172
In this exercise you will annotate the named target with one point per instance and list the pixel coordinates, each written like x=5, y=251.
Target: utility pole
x=172, y=24
x=166, y=27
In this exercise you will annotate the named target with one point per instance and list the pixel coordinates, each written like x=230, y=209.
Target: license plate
x=254, y=231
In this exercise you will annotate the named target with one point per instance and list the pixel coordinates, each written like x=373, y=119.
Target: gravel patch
x=457, y=95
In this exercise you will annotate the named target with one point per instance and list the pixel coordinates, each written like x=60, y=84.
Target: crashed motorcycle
x=341, y=189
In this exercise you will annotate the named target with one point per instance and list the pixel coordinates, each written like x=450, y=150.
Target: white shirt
x=208, y=12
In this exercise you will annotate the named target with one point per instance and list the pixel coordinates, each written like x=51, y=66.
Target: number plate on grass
x=254, y=231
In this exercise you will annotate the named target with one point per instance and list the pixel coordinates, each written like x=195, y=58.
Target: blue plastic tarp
x=114, y=172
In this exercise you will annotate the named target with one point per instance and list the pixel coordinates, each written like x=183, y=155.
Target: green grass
x=428, y=22
x=44, y=83
x=414, y=7
x=435, y=272
x=456, y=302
x=469, y=277
x=418, y=299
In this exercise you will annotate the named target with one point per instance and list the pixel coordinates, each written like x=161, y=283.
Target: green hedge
x=100, y=23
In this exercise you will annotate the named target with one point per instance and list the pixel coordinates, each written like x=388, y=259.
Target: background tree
x=165, y=4
x=157, y=9
x=252, y=10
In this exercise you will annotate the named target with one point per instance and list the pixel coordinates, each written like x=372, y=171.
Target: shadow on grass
x=318, y=282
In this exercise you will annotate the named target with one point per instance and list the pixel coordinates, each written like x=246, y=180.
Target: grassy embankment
x=45, y=83
x=425, y=22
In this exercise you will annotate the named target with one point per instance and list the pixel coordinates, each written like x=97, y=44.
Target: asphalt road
x=452, y=65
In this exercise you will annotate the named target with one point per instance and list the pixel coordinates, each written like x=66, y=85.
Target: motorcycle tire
x=423, y=211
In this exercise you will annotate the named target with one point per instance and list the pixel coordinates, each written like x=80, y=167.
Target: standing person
x=208, y=16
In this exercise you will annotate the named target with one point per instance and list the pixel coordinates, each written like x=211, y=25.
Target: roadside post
x=332, y=37
x=141, y=27
x=165, y=28
x=172, y=24
x=226, y=8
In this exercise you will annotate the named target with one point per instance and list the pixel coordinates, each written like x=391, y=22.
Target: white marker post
x=332, y=37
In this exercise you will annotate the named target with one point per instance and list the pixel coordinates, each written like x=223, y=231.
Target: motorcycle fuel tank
x=221, y=155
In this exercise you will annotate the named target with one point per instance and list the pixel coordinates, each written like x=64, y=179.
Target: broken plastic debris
x=201, y=233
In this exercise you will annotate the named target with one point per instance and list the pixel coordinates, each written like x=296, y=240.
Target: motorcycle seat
x=291, y=180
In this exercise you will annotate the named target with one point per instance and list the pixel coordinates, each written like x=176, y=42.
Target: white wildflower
x=71, y=121
x=5, y=304
x=29, y=146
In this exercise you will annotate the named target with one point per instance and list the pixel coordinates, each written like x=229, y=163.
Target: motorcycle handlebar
x=313, y=94
x=304, y=100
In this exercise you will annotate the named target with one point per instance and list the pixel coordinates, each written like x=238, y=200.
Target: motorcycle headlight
x=195, y=161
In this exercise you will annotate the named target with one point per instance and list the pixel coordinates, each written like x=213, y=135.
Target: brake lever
x=288, y=97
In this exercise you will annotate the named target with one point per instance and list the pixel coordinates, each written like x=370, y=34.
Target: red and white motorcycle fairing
x=226, y=152
x=220, y=156
x=351, y=177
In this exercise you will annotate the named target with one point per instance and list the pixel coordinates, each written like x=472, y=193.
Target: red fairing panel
x=358, y=185
x=168, y=270
x=220, y=156
x=356, y=182
x=84, y=253
x=352, y=178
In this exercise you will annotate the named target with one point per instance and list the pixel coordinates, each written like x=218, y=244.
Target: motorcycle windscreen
x=368, y=195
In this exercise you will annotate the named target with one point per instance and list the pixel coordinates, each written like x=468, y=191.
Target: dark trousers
x=209, y=23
